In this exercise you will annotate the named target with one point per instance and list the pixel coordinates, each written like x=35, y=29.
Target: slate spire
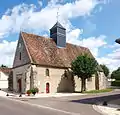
x=58, y=34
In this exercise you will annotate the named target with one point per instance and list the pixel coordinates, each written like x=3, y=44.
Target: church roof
x=43, y=51
x=5, y=70
x=57, y=25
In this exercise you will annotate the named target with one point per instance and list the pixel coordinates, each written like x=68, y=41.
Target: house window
x=47, y=72
x=20, y=56
x=89, y=79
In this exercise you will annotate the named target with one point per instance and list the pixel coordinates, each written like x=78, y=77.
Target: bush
x=115, y=83
x=28, y=92
x=34, y=90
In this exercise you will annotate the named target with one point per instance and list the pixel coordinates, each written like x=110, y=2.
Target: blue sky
x=90, y=23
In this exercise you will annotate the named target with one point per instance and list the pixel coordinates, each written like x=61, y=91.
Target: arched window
x=20, y=56
x=47, y=72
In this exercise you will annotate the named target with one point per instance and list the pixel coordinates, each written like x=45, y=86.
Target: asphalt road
x=9, y=107
x=46, y=106
x=66, y=106
x=75, y=105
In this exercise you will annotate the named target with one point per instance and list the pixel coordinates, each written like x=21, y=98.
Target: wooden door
x=19, y=85
x=47, y=88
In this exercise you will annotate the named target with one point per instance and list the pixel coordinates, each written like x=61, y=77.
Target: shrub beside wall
x=115, y=83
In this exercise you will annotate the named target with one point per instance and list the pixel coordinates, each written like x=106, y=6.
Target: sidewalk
x=107, y=110
x=39, y=95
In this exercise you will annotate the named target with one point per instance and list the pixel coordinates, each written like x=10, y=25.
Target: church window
x=20, y=56
x=47, y=72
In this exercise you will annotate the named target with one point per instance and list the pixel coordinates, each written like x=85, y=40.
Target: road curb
x=98, y=110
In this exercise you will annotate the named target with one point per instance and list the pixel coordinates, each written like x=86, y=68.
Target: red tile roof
x=43, y=51
x=5, y=70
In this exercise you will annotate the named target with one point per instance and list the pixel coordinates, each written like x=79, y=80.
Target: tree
x=105, y=70
x=116, y=74
x=4, y=66
x=84, y=67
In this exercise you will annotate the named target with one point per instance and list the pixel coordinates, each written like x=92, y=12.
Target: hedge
x=115, y=83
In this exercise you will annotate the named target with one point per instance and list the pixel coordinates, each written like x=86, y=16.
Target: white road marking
x=66, y=112
x=44, y=107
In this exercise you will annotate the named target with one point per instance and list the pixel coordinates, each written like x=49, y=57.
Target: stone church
x=45, y=63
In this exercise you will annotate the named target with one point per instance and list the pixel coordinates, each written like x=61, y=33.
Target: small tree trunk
x=96, y=81
x=83, y=84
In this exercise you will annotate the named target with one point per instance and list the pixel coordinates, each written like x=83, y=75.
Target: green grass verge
x=99, y=91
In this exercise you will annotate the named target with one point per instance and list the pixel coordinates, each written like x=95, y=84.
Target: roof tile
x=45, y=52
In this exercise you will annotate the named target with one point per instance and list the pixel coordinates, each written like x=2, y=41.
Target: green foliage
x=36, y=90
x=115, y=83
x=84, y=67
x=116, y=74
x=99, y=91
x=33, y=91
x=4, y=66
x=105, y=69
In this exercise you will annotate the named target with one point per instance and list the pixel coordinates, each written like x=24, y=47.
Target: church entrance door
x=47, y=88
x=19, y=85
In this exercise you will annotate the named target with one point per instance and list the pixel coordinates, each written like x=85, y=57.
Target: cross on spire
x=23, y=24
x=58, y=14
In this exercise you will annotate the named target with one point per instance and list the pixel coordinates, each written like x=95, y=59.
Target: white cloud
x=25, y=16
x=45, y=35
x=93, y=43
x=115, y=54
x=73, y=35
x=109, y=62
x=112, y=60
x=115, y=45
x=7, y=51
x=40, y=3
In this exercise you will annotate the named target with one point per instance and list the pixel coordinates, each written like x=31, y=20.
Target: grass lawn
x=99, y=91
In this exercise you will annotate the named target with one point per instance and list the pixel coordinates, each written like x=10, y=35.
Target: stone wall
x=10, y=81
x=102, y=81
x=59, y=80
x=24, y=54
x=59, y=83
x=22, y=73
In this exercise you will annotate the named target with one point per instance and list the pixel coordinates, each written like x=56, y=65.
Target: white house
x=4, y=74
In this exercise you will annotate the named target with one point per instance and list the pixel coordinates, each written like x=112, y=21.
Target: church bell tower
x=58, y=34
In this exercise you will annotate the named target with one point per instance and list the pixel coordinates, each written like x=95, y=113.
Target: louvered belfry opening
x=58, y=34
